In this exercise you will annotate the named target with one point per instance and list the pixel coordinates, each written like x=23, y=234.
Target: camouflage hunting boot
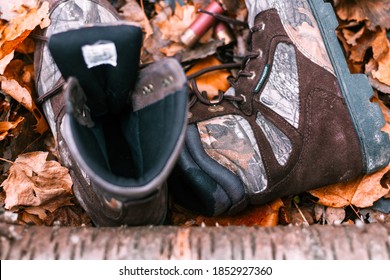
x=294, y=119
x=119, y=129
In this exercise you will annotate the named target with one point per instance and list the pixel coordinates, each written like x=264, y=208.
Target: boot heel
x=366, y=116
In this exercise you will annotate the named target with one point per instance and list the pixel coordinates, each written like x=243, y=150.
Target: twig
x=356, y=212
x=6, y=160
x=300, y=212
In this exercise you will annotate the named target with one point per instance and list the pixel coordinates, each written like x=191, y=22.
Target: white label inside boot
x=102, y=52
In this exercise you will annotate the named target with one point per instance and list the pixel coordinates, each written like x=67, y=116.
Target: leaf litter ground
x=36, y=189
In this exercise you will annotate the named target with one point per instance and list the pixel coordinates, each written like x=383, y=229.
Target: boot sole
x=357, y=91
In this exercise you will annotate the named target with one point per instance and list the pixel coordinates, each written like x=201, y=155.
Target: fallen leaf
x=5, y=127
x=12, y=9
x=172, y=49
x=22, y=72
x=319, y=213
x=20, y=25
x=174, y=26
x=359, y=50
x=361, y=192
x=385, y=111
x=302, y=216
x=370, y=67
x=37, y=185
x=23, y=96
x=5, y=61
x=133, y=12
x=264, y=215
x=383, y=72
x=26, y=47
x=334, y=216
x=211, y=82
x=27, y=218
x=376, y=13
x=352, y=36
x=68, y=216
x=374, y=216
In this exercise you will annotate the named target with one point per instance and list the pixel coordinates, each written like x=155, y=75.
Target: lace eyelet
x=260, y=53
x=262, y=26
x=252, y=76
x=243, y=98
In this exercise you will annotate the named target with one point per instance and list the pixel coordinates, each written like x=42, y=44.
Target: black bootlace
x=202, y=95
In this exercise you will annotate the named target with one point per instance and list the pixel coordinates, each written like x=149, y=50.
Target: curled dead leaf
x=5, y=127
x=23, y=96
x=22, y=72
x=5, y=61
x=37, y=185
x=376, y=13
x=24, y=19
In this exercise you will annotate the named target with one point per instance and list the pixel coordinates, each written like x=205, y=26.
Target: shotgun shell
x=223, y=33
x=201, y=24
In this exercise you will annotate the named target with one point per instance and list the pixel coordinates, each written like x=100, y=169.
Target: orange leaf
x=23, y=96
x=22, y=23
x=386, y=113
x=383, y=72
x=375, y=12
x=22, y=72
x=6, y=126
x=361, y=192
x=264, y=215
x=4, y=62
x=210, y=82
x=26, y=47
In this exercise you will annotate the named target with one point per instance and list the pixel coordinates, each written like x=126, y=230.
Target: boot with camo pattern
x=294, y=118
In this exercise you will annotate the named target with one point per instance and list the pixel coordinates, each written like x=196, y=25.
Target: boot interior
x=132, y=148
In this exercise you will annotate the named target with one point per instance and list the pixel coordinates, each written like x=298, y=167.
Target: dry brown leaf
x=12, y=9
x=376, y=13
x=133, y=12
x=334, y=216
x=5, y=61
x=210, y=82
x=301, y=215
x=26, y=47
x=27, y=218
x=172, y=28
x=364, y=43
x=37, y=185
x=361, y=192
x=264, y=215
x=370, y=67
x=5, y=127
x=172, y=49
x=21, y=24
x=22, y=72
x=23, y=96
x=385, y=111
x=383, y=72
x=68, y=216
x=351, y=36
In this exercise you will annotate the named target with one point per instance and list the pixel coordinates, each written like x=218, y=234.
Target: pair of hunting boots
x=294, y=118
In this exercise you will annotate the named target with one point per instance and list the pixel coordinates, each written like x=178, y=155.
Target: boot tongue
x=104, y=59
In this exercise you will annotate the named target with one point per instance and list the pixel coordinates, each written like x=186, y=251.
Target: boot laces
x=201, y=96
